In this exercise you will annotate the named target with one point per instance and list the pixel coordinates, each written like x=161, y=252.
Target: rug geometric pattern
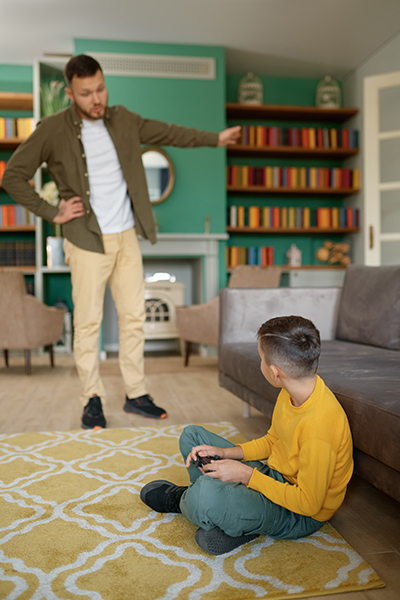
x=72, y=526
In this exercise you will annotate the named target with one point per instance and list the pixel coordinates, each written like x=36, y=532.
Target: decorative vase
x=328, y=93
x=250, y=90
x=293, y=256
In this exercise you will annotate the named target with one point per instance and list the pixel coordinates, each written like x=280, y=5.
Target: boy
x=308, y=449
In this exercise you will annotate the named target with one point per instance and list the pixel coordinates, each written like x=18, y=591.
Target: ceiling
x=298, y=38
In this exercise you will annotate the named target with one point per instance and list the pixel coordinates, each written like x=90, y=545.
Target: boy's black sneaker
x=162, y=496
x=93, y=414
x=215, y=541
x=144, y=405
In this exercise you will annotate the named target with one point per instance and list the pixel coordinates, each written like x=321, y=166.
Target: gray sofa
x=360, y=359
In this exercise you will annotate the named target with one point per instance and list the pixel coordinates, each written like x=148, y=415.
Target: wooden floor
x=47, y=400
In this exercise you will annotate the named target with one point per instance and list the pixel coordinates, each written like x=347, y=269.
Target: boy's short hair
x=291, y=343
x=81, y=66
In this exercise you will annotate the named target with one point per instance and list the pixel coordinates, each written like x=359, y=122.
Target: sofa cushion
x=365, y=380
x=369, y=310
x=241, y=362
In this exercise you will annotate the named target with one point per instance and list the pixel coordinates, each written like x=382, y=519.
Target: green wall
x=299, y=91
x=16, y=78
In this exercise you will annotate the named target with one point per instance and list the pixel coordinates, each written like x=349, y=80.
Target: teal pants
x=233, y=507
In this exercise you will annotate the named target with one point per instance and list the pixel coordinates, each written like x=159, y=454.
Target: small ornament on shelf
x=328, y=93
x=293, y=256
x=207, y=225
x=334, y=253
x=250, y=90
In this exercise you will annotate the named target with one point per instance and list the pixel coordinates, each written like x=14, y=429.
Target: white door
x=382, y=169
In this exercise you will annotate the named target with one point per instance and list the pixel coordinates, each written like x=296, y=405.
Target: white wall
x=385, y=60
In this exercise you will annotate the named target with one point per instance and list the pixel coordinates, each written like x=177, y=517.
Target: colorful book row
x=17, y=254
x=293, y=177
x=21, y=127
x=290, y=217
x=253, y=255
x=15, y=214
x=260, y=136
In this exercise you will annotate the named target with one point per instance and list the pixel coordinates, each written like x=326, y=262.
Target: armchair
x=199, y=323
x=26, y=323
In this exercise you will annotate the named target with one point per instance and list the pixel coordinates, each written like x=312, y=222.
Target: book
x=266, y=216
x=284, y=217
x=276, y=216
x=306, y=217
x=349, y=217
x=335, y=217
x=3, y=165
x=291, y=217
x=355, y=179
x=241, y=216
x=334, y=138
x=251, y=255
x=313, y=177
x=252, y=135
x=312, y=139
x=254, y=217
x=233, y=216
x=268, y=177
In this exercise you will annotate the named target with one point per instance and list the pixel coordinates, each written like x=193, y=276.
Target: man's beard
x=90, y=116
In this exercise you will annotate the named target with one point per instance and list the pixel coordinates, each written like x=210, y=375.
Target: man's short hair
x=81, y=66
x=291, y=343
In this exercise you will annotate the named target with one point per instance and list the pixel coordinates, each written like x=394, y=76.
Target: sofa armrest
x=242, y=311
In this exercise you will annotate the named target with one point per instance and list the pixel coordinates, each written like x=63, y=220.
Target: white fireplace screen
x=161, y=299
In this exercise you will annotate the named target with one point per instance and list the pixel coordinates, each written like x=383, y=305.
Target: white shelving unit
x=57, y=63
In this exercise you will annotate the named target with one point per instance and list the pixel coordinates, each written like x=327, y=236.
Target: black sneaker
x=93, y=414
x=216, y=541
x=162, y=496
x=144, y=405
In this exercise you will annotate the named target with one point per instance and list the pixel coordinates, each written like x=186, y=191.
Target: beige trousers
x=122, y=267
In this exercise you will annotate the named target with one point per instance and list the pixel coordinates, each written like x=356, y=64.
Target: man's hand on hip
x=69, y=209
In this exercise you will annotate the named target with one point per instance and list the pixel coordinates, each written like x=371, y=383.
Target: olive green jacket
x=57, y=142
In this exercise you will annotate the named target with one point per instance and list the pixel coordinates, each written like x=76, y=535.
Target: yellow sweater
x=311, y=446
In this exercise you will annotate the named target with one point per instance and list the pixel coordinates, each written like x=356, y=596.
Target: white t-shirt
x=109, y=196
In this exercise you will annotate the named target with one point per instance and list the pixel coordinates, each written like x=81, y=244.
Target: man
x=93, y=153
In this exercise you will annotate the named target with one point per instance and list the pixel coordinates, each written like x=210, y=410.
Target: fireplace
x=197, y=253
x=161, y=299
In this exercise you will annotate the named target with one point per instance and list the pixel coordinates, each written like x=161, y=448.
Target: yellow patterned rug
x=72, y=526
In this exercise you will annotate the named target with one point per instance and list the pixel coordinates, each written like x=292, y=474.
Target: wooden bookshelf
x=300, y=117
x=19, y=268
x=293, y=230
x=16, y=228
x=288, y=113
x=260, y=189
x=291, y=152
x=16, y=101
x=10, y=143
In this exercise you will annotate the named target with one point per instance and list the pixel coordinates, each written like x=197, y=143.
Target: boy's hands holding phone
x=227, y=467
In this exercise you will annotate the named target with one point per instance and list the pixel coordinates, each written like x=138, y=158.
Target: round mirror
x=160, y=173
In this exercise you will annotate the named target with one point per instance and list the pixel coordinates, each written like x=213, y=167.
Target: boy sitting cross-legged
x=308, y=454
